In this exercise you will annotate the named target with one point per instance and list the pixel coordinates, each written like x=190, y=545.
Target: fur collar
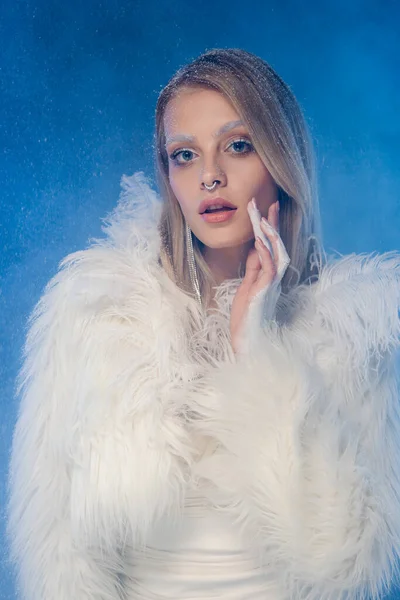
x=119, y=360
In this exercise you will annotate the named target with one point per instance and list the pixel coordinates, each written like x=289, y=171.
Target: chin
x=224, y=235
x=216, y=242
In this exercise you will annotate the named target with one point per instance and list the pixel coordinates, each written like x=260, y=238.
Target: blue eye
x=247, y=144
x=243, y=145
x=177, y=153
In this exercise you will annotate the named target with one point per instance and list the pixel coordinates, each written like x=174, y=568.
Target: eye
x=241, y=144
x=184, y=153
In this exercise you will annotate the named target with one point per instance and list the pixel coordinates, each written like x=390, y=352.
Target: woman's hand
x=266, y=264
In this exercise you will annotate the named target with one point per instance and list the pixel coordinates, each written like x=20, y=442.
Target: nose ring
x=210, y=187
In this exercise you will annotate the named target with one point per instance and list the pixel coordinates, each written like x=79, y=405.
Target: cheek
x=253, y=175
x=266, y=189
x=177, y=188
x=173, y=182
x=262, y=176
x=182, y=192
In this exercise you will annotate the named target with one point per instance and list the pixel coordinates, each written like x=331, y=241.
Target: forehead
x=195, y=106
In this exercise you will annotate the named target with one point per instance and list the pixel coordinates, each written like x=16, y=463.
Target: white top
x=200, y=557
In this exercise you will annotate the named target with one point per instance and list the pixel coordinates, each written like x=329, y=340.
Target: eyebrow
x=192, y=138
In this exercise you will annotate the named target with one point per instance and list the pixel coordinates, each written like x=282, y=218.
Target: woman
x=199, y=418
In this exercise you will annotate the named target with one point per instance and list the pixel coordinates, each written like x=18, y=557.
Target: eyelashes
x=178, y=153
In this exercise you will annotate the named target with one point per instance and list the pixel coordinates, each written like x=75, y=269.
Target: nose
x=210, y=173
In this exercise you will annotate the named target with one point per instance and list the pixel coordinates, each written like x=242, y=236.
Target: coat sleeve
x=308, y=434
x=50, y=561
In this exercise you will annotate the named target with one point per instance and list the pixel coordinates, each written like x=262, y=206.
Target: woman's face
x=206, y=154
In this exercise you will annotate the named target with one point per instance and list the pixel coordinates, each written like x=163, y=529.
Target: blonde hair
x=281, y=138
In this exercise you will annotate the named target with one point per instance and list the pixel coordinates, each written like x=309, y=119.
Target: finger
x=268, y=266
x=255, y=218
x=266, y=277
x=253, y=267
x=272, y=236
x=281, y=257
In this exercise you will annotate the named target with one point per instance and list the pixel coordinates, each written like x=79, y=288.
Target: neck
x=225, y=263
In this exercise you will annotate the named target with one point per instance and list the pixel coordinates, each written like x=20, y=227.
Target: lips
x=206, y=205
x=213, y=209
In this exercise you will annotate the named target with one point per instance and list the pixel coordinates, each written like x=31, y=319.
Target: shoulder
x=356, y=271
x=352, y=311
x=103, y=290
x=361, y=294
x=98, y=319
x=122, y=263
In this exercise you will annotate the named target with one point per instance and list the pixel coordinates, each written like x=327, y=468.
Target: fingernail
x=258, y=246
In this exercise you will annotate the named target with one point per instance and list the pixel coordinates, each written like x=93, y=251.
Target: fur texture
x=123, y=372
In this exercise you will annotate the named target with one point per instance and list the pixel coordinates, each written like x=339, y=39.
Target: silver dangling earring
x=192, y=264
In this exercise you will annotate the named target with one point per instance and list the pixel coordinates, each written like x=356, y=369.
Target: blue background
x=79, y=82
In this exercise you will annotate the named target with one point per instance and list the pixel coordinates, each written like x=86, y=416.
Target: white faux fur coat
x=122, y=373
